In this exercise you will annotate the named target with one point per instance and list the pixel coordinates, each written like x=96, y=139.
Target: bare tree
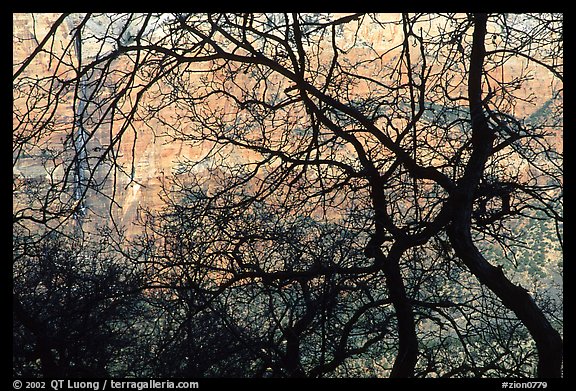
x=77, y=310
x=359, y=175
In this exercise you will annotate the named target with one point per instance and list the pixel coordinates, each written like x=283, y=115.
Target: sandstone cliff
x=146, y=157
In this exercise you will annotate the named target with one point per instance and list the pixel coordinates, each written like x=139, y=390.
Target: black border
x=376, y=6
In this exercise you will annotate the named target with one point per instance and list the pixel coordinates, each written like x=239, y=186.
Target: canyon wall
x=146, y=157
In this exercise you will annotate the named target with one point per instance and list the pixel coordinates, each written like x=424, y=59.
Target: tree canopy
x=354, y=195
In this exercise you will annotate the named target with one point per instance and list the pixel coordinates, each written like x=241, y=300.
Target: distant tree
x=261, y=293
x=76, y=310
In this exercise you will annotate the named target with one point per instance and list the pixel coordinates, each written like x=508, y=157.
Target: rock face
x=48, y=158
x=144, y=158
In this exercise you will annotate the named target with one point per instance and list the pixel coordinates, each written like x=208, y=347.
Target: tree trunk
x=516, y=298
x=407, y=339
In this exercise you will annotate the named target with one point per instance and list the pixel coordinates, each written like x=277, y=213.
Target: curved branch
x=516, y=298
